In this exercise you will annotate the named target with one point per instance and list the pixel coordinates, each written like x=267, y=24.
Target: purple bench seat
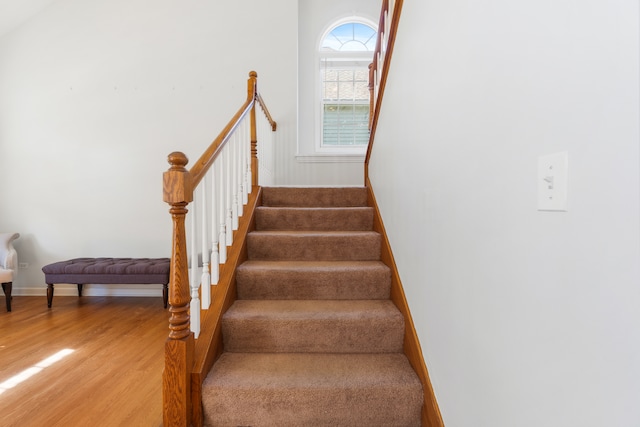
x=108, y=271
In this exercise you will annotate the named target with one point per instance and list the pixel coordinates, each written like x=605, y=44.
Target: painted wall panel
x=526, y=318
x=95, y=95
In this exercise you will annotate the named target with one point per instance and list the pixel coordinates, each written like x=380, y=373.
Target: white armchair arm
x=8, y=264
x=8, y=254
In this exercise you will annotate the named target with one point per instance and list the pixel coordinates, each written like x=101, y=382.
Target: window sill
x=331, y=158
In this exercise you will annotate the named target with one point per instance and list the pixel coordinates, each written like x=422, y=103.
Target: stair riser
x=312, y=336
x=357, y=219
x=277, y=286
x=336, y=407
x=312, y=390
x=293, y=247
x=314, y=197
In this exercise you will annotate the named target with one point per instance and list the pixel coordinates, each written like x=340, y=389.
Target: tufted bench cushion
x=107, y=271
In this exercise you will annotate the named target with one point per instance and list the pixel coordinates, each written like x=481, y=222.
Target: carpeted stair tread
x=306, y=280
x=314, y=197
x=331, y=326
x=313, y=338
x=314, y=245
x=264, y=389
x=290, y=218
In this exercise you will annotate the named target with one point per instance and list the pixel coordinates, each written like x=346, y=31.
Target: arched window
x=346, y=50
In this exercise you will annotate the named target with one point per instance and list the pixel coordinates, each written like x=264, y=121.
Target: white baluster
x=215, y=254
x=271, y=145
x=264, y=143
x=238, y=168
x=249, y=175
x=241, y=172
x=233, y=150
x=376, y=86
x=205, y=280
x=387, y=27
x=259, y=148
x=228, y=194
x=241, y=183
x=194, y=282
x=245, y=145
x=262, y=150
x=222, y=240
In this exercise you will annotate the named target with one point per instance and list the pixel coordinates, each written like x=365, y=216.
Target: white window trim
x=334, y=154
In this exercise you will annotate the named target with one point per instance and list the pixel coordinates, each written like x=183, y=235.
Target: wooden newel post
x=252, y=88
x=176, y=378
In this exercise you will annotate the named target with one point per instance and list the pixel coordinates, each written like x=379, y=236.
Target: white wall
x=300, y=165
x=14, y=13
x=526, y=318
x=95, y=95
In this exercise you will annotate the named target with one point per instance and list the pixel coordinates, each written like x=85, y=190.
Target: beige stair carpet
x=313, y=339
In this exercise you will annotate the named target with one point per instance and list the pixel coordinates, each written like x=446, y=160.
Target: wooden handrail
x=274, y=125
x=381, y=26
x=202, y=165
x=178, y=191
x=388, y=50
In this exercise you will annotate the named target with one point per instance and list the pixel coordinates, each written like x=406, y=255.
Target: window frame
x=358, y=59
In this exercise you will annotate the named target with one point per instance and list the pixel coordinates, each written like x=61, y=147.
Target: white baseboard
x=93, y=290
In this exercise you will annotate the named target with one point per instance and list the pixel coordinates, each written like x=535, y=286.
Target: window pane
x=345, y=75
x=362, y=74
x=346, y=124
x=330, y=74
x=362, y=91
x=350, y=37
x=345, y=90
x=330, y=91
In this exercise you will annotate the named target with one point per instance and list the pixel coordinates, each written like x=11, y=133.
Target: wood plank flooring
x=113, y=377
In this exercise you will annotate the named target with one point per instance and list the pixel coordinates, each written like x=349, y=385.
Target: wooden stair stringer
x=431, y=416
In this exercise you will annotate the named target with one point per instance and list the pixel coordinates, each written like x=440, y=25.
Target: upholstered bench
x=108, y=271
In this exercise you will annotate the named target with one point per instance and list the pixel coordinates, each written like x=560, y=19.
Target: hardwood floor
x=113, y=377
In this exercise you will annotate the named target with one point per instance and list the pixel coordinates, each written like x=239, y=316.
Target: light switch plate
x=552, y=182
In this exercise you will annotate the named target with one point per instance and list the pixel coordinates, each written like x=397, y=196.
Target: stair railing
x=217, y=187
x=379, y=68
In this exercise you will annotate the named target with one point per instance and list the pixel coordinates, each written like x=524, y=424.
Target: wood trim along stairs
x=209, y=345
x=431, y=416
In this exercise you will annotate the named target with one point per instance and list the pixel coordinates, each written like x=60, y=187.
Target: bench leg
x=79, y=289
x=6, y=287
x=49, y=294
x=165, y=294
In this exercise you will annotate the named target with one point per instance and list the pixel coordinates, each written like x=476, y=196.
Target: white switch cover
x=552, y=182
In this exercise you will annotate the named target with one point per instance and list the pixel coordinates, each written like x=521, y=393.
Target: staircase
x=313, y=339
